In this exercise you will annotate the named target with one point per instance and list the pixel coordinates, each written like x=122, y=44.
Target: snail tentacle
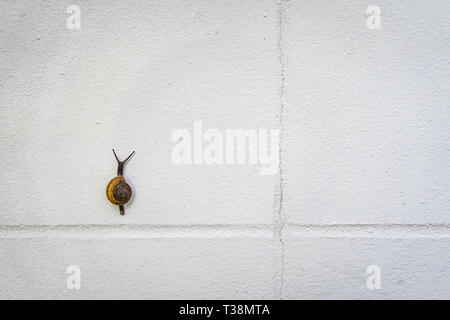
x=120, y=164
x=128, y=158
x=115, y=155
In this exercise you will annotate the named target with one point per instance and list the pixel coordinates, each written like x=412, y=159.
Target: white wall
x=364, y=117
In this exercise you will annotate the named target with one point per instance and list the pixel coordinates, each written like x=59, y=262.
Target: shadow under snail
x=118, y=190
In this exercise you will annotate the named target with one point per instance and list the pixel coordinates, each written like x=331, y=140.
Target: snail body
x=118, y=191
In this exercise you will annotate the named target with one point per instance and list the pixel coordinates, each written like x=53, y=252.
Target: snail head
x=120, y=164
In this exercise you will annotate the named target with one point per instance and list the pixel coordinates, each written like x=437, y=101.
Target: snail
x=118, y=191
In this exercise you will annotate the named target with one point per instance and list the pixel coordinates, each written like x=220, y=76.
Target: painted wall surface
x=359, y=203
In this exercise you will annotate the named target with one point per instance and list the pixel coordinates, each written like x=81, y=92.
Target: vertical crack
x=280, y=218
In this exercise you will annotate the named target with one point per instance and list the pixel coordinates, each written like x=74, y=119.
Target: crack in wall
x=280, y=218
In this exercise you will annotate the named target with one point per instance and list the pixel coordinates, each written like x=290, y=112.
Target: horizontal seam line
x=269, y=226
x=137, y=231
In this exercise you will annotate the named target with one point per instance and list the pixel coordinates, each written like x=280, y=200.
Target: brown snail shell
x=118, y=191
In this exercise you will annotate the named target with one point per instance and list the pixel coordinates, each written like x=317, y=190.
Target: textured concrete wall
x=364, y=179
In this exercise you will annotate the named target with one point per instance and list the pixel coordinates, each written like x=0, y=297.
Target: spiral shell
x=118, y=191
